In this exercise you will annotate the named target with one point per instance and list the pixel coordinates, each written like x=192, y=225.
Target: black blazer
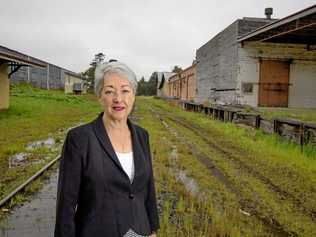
x=95, y=197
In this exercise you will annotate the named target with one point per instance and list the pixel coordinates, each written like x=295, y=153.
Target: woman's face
x=117, y=97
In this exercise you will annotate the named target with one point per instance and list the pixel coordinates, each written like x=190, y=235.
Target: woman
x=106, y=186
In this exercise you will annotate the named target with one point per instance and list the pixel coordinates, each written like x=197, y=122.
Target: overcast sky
x=147, y=35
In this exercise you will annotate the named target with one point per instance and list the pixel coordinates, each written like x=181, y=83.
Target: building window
x=247, y=87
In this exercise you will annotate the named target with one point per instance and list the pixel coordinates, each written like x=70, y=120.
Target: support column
x=4, y=87
x=28, y=71
x=47, y=78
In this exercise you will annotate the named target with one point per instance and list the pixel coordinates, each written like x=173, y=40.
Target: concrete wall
x=248, y=72
x=4, y=87
x=248, y=24
x=165, y=89
x=302, y=71
x=302, y=93
x=217, y=67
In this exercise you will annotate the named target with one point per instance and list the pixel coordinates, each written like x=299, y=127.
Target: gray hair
x=114, y=67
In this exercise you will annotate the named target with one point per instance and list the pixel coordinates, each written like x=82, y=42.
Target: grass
x=279, y=183
x=36, y=114
x=214, y=212
x=216, y=209
x=307, y=115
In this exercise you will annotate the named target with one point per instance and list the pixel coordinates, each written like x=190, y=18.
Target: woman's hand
x=153, y=235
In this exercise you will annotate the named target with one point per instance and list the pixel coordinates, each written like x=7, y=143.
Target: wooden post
x=225, y=115
x=276, y=126
x=258, y=121
x=302, y=128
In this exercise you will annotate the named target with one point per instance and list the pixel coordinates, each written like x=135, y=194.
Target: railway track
x=199, y=131
x=246, y=204
x=21, y=187
x=269, y=183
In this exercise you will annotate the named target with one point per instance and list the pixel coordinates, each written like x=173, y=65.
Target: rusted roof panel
x=298, y=28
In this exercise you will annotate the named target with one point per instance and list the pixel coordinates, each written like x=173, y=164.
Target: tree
x=147, y=87
x=98, y=58
x=141, y=87
x=152, y=84
x=177, y=69
x=89, y=73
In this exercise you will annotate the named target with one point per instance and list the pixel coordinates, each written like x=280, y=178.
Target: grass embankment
x=36, y=114
x=306, y=115
x=262, y=187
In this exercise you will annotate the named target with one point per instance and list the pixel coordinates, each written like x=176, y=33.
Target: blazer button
x=131, y=196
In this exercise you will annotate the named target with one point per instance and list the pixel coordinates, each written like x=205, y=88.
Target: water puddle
x=189, y=183
x=23, y=159
x=174, y=154
x=48, y=143
x=181, y=175
x=32, y=157
x=18, y=159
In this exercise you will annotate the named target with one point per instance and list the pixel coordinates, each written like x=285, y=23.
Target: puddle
x=54, y=146
x=174, y=154
x=36, y=217
x=18, y=159
x=22, y=159
x=49, y=142
x=189, y=183
x=30, y=157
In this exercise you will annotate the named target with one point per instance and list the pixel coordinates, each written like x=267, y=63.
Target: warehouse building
x=16, y=67
x=182, y=85
x=261, y=62
x=10, y=64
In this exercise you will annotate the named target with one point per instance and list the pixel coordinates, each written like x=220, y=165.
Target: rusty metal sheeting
x=298, y=28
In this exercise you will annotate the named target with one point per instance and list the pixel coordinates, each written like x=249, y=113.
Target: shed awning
x=16, y=59
x=298, y=28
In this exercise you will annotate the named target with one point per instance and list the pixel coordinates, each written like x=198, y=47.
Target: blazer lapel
x=104, y=139
x=137, y=152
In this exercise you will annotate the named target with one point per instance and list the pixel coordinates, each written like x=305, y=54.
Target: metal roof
x=14, y=58
x=298, y=28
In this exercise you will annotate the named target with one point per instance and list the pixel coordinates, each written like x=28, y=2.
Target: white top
x=127, y=162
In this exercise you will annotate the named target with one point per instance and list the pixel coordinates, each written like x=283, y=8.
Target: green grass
x=36, y=114
x=284, y=168
x=213, y=212
x=307, y=115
